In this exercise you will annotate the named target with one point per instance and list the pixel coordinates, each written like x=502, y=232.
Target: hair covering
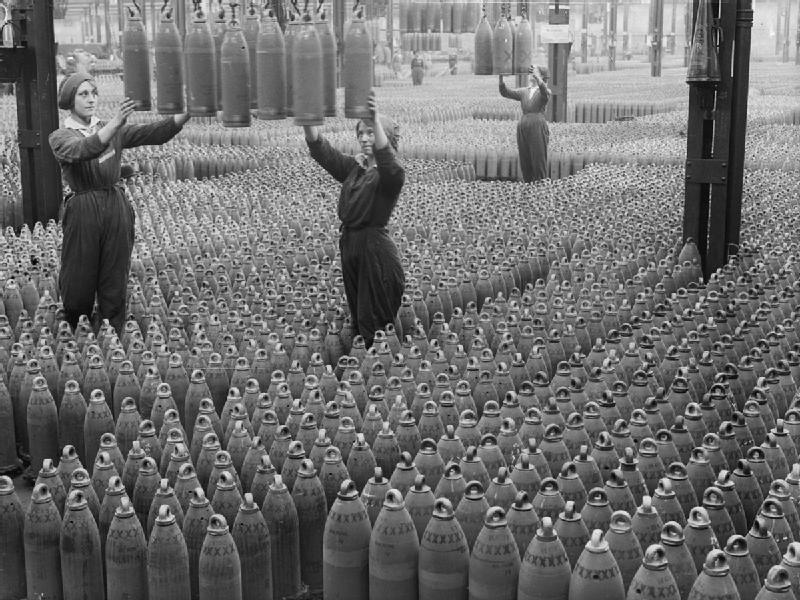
x=70, y=85
x=390, y=127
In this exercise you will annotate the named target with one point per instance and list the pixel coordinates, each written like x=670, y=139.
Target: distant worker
x=533, y=134
x=417, y=68
x=452, y=62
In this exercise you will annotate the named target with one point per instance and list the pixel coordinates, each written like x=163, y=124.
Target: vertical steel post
x=672, y=29
x=797, y=39
x=585, y=31
x=786, y=20
x=626, y=11
x=612, y=36
x=741, y=79
x=558, y=63
x=37, y=112
x=657, y=37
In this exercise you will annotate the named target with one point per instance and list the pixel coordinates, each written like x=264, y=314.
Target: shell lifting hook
x=138, y=9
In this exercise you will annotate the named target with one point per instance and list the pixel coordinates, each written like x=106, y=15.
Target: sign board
x=554, y=34
x=558, y=14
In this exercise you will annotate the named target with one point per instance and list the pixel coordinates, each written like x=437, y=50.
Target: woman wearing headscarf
x=98, y=219
x=533, y=134
x=371, y=182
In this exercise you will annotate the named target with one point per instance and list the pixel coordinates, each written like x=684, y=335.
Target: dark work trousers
x=373, y=279
x=98, y=230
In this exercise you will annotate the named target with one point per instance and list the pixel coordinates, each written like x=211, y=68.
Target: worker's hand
x=123, y=112
x=372, y=107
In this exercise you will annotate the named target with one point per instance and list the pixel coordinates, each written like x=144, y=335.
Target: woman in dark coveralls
x=98, y=220
x=533, y=135
x=371, y=183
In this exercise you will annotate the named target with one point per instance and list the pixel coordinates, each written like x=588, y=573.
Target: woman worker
x=98, y=219
x=371, y=183
x=533, y=135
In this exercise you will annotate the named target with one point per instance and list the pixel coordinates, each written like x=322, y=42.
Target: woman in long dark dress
x=371, y=182
x=533, y=134
x=98, y=219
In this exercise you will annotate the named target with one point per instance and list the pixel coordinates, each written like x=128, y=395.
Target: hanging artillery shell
x=220, y=568
x=545, y=570
x=345, y=547
x=522, y=521
x=597, y=573
x=81, y=563
x=126, y=555
x=624, y=546
x=443, y=556
x=681, y=563
x=42, y=533
x=195, y=524
x=167, y=560
x=394, y=552
x=494, y=564
x=309, y=499
x=743, y=569
x=654, y=579
x=281, y=516
x=715, y=581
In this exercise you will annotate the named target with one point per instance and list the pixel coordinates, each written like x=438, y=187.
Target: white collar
x=362, y=160
x=86, y=130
